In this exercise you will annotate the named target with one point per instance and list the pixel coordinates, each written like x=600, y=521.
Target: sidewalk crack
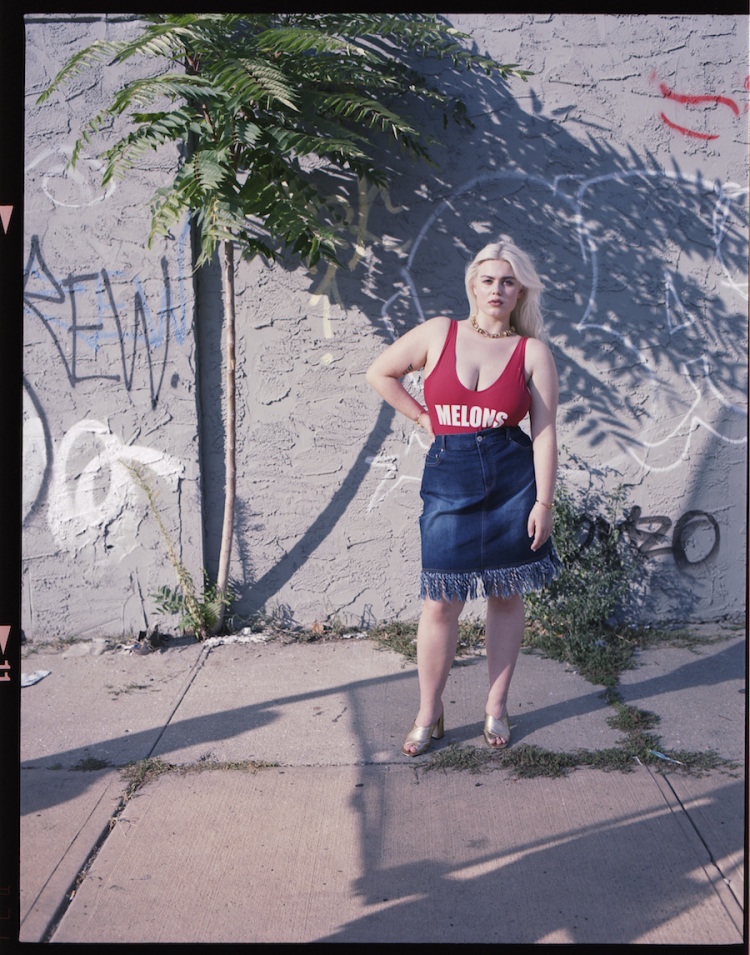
x=713, y=861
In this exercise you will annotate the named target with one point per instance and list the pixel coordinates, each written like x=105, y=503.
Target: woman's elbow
x=376, y=379
x=372, y=377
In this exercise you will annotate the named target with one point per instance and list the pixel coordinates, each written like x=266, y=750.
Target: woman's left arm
x=544, y=391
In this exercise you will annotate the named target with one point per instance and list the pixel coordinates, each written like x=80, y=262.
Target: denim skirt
x=477, y=491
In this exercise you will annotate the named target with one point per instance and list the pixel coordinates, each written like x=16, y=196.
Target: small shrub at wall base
x=199, y=616
x=575, y=618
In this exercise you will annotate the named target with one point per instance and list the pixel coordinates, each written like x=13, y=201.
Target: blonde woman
x=487, y=487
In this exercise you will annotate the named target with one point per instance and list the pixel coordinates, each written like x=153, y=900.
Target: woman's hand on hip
x=424, y=423
x=540, y=524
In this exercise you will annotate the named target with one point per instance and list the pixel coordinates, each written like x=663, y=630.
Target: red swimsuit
x=455, y=409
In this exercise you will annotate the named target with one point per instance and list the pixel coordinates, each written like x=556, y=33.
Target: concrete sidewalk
x=342, y=838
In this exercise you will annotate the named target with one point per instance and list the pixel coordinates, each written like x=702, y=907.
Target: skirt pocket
x=434, y=456
x=518, y=436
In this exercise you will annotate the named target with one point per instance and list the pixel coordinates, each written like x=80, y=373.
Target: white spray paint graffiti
x=92, y=498
x=663, y=442
x=77, y=188
x=695, y=372
x=730, y=198
x=399, y=468
x=100, y=500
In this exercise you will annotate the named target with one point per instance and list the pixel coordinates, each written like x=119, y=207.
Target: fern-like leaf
x=251, y=95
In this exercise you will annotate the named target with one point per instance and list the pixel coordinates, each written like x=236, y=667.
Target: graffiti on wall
x=66, y=187
x=106, y=327
x=326, y=293
x=703, y=104
x=85, y=311
x=398, y=469
x=91, y=497
x=660, y=326
x=693, y=541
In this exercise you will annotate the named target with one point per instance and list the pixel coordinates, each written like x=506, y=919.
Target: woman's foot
x=497, y=730
x=419, y=738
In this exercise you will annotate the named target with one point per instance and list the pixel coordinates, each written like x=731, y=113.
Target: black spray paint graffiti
x=77, y=340
x=694, y=542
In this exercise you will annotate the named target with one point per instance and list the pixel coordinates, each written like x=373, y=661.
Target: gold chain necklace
x=505, y=334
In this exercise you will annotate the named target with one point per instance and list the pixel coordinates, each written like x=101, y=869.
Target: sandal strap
x=419, y=734
x=498, y=728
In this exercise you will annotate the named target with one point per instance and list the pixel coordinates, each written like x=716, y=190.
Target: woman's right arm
x=408, y=353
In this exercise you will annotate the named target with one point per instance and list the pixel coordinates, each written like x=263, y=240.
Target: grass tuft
x=89, y=765
x=147, y=770
x=143, y=771
x=401, y=637
x=529, y=761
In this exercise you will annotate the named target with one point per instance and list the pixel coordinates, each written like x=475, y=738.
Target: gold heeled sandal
x=422, y=736
x=496, y=729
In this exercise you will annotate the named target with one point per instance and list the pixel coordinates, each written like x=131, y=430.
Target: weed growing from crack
x=89, y=765
x=239, y=765
x=114, y=692
x=460, y=757
x=143, y=771
x=638, y=747
x=529, y=761
x=398, y=636
x=525, y=760
x=629, y=719
x=576, y=618
x=147, y=770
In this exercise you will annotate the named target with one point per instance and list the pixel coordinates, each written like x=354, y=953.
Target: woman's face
x=496, y=288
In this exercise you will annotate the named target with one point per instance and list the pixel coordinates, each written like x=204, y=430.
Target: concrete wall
x=622, y=166
x=109, y=369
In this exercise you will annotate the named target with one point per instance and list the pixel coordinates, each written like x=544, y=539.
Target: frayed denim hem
x=505, y=582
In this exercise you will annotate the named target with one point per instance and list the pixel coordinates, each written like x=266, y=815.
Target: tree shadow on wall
x=643, y=269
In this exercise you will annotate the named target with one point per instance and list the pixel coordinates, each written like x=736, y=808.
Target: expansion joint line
x=197, y=667
x=686, y=814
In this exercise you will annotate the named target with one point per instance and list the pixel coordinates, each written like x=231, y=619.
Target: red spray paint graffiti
x=694, y=100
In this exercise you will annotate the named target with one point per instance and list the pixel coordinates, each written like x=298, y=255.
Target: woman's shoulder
x=538, y=358
x=536, y=348
x=436, y=328
x=440, y=322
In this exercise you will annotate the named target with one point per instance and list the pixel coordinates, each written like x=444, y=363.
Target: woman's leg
x=437, y=639
x=503, y=636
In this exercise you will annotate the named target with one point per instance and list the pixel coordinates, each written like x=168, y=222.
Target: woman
x=487, y=488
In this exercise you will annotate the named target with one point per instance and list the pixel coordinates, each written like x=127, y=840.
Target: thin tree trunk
x=230, y=466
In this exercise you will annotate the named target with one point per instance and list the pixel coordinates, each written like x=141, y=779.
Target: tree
x=270, y=112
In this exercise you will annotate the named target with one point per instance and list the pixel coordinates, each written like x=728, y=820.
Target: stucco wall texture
x=621, y=166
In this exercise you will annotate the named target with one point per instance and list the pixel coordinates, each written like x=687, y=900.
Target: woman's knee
x=512, y=604
x=442, y=611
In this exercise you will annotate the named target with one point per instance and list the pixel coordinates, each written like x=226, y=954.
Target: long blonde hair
x=526, y=317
